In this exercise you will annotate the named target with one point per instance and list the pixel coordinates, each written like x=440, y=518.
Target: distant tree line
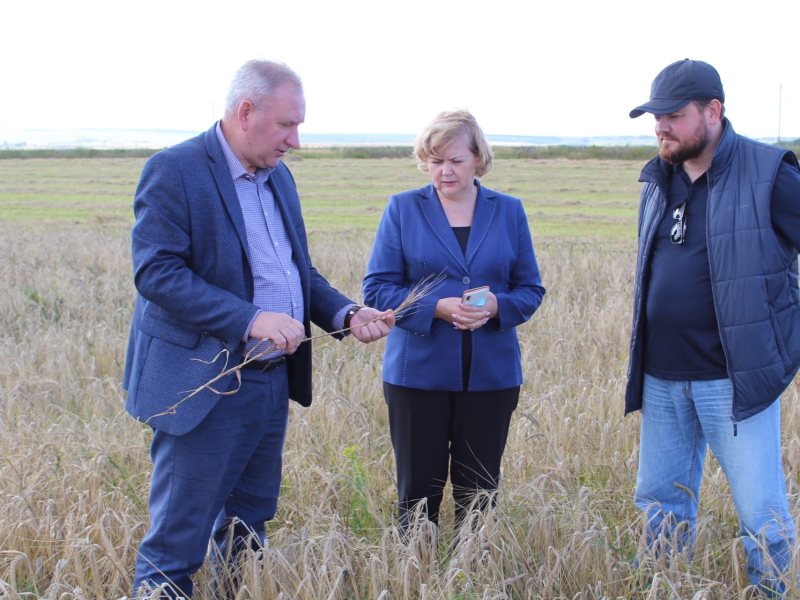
x=529, y=152
x=79, y=153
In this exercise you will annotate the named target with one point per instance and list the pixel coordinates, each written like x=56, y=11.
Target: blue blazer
x=195, y=288
x=414, y=241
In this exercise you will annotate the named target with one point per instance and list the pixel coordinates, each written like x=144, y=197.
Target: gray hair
x=256, y=80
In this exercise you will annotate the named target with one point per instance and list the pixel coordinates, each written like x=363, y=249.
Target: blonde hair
x=443, y=129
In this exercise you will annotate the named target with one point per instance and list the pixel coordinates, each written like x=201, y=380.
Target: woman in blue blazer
x=452, y=372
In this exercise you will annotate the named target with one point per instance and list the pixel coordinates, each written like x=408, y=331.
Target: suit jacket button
x=465, y=281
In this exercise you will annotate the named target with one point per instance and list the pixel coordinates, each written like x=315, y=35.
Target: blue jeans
x=679, y=420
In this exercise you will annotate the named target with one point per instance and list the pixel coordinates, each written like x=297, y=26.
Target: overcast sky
x=564, y=68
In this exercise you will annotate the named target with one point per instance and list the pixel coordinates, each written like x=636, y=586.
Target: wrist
x=348, y=316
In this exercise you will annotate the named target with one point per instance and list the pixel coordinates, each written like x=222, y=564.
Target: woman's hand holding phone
x=476, y=296
x=463, y=312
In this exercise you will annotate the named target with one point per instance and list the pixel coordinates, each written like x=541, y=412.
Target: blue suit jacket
x=414, y=241
x=195, y=287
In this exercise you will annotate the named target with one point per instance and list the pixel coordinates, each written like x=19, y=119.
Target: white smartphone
x=475, y=296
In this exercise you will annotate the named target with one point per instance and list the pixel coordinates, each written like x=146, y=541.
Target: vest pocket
x=779, y=342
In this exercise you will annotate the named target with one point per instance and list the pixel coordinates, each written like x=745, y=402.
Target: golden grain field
x=74, y=467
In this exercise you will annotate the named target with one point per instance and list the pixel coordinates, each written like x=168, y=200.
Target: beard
x=688, y=148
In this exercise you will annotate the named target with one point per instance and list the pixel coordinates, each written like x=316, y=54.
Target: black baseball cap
x=680, y=83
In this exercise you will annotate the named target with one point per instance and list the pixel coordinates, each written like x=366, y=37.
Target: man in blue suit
x=223, y=275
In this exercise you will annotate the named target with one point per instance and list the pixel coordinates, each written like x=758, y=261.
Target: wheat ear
x=425, y=287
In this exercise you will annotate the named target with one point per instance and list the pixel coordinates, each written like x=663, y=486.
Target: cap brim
x=658, y=106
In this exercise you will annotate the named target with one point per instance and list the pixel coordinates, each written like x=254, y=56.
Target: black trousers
x=435, y=432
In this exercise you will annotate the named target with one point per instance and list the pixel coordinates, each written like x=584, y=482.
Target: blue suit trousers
x=226, y=471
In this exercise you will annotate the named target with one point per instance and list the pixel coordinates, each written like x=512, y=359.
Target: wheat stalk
x=408, y=306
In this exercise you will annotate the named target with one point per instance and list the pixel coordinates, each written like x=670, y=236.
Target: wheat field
x=74, y=467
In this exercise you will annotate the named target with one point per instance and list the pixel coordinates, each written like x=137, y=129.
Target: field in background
x=74, y=469
x=562, y=196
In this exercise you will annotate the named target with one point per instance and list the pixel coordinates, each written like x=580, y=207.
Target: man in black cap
x=716, y=320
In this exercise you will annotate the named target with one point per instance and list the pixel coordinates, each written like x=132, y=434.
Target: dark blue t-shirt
x=681, y=334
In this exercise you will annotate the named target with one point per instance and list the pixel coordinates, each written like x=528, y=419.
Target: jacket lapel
x=485, y=210
x=222, y=177
x=433, y=213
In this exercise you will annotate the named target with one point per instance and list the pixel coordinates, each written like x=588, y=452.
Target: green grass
x=563, y=197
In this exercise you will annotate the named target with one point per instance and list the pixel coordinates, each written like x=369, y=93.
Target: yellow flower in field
x=352, y=452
